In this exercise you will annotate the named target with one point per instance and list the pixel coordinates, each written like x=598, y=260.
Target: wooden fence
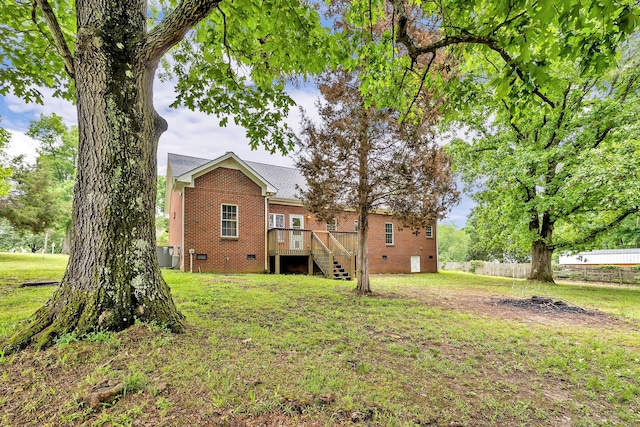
x=519, y=271
x=607, y=274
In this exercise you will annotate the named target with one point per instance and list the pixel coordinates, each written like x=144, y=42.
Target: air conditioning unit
x=165, y=256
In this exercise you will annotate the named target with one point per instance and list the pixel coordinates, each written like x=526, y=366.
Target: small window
x=229, y=221
x=388, y=233
x=355, y=226
x=384, y=257
x=251, y=256
x=201, y=257
x=332, y=226
x=429, y=231
x=277, y=221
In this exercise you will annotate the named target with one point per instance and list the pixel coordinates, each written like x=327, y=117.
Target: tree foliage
x=362, y=158
x=453, y=243
x=5, y=170
x=34, y=203
x=506, y=50
x=229, y=59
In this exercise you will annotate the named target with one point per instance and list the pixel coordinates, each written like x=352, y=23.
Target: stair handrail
x=326, y=267
x=339, y=246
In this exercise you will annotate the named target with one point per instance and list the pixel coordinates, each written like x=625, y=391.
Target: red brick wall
x=406, y=243
x=203, y=223
x=229, y=186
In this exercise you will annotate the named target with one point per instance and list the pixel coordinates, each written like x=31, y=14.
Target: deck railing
x=323, y=246
x=348, y=240
x=322, y=255
x=289, y=241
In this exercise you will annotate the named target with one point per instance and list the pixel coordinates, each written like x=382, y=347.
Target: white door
x=296, y=241
x=415, y=264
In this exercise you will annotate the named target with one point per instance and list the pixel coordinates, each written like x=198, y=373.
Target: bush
x=475, y=265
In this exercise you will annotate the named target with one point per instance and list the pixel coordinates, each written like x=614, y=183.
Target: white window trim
x=222, y=205
x=428, y=231
x=335, y=225
x=355, y=226
x=386, y=233
x=273, y=223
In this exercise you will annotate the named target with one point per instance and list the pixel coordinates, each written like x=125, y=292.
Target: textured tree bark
x=362, y=256
x=112, y=277
x=541, y=262
x=541, y=250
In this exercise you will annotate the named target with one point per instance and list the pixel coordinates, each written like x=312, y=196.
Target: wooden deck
x=326, y=249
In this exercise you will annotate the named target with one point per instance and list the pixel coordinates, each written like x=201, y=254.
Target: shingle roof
x=283, y=178
x=180, y=164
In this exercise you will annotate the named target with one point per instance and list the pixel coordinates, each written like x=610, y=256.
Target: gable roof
x=283, y=178
x=278, y=180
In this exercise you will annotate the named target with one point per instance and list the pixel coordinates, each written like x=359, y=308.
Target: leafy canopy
x=576, y=165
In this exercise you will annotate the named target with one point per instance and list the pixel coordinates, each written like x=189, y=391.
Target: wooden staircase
x=339, y=272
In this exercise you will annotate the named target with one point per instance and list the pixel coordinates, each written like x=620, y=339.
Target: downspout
x=435, y=230
x=266, y=234
x=182, y=251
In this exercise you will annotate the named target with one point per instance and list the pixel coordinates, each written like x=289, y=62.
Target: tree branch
x=414, y=51
x=563, y=110
x=174, y=27
x=58, y=37
x=596, y=231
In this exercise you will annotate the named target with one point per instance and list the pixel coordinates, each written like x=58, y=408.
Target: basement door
x=296, y=241
x=415, y=264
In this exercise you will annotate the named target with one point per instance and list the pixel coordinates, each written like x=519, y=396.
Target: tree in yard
x=59, y=149
x=5, y=171
x=566, y=173
x=231, y=58
x=453, y=243
x=34, y=203
x=361, y=158
x=487, y=241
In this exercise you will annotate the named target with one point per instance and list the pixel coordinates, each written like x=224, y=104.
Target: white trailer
x=620, y=257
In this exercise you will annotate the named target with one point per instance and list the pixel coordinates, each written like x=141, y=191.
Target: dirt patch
x=487, y=305
x=546, y=305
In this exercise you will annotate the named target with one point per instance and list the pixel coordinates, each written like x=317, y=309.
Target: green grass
x=424, y=349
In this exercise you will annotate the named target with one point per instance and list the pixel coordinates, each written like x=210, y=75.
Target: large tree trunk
x=112, y=277
x=541, y=250
x=362, y=257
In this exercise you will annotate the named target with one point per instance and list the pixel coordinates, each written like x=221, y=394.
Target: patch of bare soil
x=520, y=310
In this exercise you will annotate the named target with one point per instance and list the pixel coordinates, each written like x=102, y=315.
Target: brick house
x=233, y=216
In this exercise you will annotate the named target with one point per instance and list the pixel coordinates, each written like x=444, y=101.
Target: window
x=277, y=221
x=355, y=226
x=332, y=226
x=229, y=221
x=388, y=233
x=429, y=231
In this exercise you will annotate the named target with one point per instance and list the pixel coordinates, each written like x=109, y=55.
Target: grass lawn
x=426, y=349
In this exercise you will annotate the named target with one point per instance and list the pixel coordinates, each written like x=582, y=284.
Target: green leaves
x=29, y=58
x=236, y=64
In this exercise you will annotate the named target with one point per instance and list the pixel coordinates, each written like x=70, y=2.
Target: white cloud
x=61, y=107
x=192, y=133
x=21, y=144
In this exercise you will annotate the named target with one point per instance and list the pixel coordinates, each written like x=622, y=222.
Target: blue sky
x=190, y=133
